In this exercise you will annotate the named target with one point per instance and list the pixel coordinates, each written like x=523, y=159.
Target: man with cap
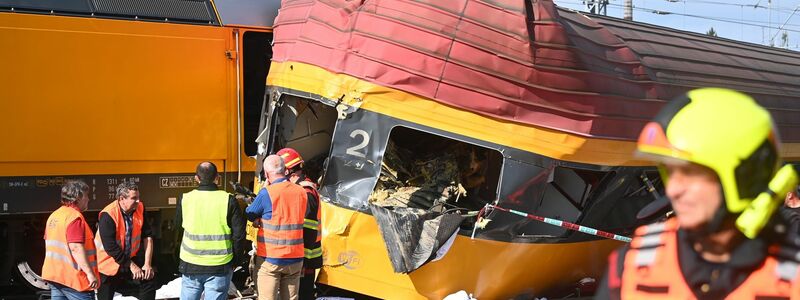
x=718, y=156
x=311, y=234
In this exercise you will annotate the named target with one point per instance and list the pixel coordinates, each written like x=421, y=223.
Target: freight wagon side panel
x=84, y=96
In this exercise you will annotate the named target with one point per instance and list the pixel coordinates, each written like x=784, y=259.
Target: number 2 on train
x=364, y=141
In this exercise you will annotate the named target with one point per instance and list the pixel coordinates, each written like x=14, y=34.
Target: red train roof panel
x=532, y=62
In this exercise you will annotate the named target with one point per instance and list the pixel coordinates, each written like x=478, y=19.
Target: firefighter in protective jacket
x=719, y=160
x=311, y=230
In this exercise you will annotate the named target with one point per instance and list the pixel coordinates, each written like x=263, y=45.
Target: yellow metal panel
x=356, y=259
x=413, y=108
x=101, y=167
x=78, y=90
x=417, y=109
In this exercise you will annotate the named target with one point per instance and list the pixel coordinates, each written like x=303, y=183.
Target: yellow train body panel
x=355, y=258
x=417, y=109
x=406, y=106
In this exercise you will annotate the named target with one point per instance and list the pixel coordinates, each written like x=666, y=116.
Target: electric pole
x=597, y=6
x=628, y=14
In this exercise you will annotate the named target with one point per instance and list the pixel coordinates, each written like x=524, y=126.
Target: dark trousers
x=307, y=291
x=111, y=284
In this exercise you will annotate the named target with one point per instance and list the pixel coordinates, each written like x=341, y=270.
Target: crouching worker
x=719, y=160
x=121, y=234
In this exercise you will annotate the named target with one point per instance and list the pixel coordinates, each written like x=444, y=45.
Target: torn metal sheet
x=354, y=162
x=413, y=236
x=344, y=109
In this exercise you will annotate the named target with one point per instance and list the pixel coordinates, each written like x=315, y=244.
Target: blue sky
x=754, y=21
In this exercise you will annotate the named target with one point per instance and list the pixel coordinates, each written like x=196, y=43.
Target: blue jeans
x=215, y=286
x=62, y=292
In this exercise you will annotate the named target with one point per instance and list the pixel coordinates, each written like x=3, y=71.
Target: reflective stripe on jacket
x=106, y=264
x=311, y=229
x=652, y=270
x=59, y=265
x=206, y=234
x=282, y=236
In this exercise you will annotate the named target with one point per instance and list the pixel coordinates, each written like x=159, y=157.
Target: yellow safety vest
x=206, y=234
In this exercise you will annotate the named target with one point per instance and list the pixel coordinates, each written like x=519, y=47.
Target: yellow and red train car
x=112, y=91
x=553, y=98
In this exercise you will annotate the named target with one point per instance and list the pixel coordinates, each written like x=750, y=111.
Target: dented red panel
x=531, y=62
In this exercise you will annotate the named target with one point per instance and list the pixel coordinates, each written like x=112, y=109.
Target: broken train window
x=307, y=126
x=545, y=189
x=301, y=123
x=432, y=172
x=600, y=197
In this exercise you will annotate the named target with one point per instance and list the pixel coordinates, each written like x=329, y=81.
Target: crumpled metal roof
x=531, y=62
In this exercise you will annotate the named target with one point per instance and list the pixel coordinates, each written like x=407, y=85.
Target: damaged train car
x=416, y=114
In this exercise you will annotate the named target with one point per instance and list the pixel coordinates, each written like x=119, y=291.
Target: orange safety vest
x=282, y=236
x=107, y=265
x=59, y=265
x=652, y=271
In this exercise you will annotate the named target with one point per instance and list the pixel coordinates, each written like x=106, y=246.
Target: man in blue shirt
x=279, y=209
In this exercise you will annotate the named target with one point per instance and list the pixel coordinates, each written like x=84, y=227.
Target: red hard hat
x=290, y=157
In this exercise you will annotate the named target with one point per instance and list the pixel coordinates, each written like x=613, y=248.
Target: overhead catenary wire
x=784, y=24
x=755, y=6
x=718, y=19
x=734, y=21
x=769, y=29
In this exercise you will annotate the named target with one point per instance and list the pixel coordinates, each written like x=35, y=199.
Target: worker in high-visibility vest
x=311, y=230
x=213, y=229
x=122, y=231
x=70, y=262
x=281, y=207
